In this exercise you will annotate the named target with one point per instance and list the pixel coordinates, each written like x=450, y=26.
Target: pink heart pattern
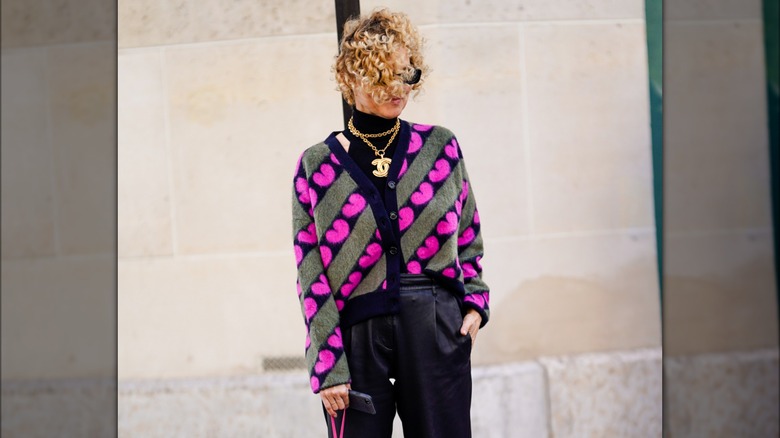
x=480, y=299
x=335, y=339
x=309, y=235
x=448, y=225
x=469, y=271
x=339, y=232
x=326, y=255
x=314, y=382
x=321, y=287
x=298, y=254
x=310, y=308
x=430, y=247
x=354, y=206
x=442, y=171
x=405, y=218
x=404, y=166
x=452, y=149
x=466, y=237
x=302, y=188
x=415, y=143
x=325, y=361
x=351, y=284
x=413, y=267
x=423, y=194
x=373, y=252
x=325, y=176
x=465, y=191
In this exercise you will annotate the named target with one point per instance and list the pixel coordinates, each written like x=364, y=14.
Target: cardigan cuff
x=332, y=384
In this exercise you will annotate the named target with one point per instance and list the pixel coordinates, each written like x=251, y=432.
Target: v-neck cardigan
x=350, y=242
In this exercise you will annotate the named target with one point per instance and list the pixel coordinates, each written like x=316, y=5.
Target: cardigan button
x=391, y=184
x=393, y=250
x=393, y=215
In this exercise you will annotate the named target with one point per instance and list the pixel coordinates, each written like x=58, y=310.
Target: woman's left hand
x=471, y=323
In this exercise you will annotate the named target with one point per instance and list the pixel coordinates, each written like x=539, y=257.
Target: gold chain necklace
x=382, y=164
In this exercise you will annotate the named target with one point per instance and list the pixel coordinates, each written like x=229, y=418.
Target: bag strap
x=333, y=425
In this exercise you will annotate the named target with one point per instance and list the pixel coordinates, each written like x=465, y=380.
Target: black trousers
x=422, y=349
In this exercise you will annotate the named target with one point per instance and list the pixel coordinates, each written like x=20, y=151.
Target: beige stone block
x=62, y=407
x=144, y=223
x=45, y=22
x=28, y=213
x=716, y=159
x=506, y=399
x=58, y=318
x=189, y=317
x=588, y=126
x=723, y=395
x=82, y=82
x=606, y=394
x=459, y=11
x=510, y=398
x=273, y=405
x=146, y=22
x=241, y=114
x=477, y=94
x=712, y=10
x=720, y=293
x=570, y=295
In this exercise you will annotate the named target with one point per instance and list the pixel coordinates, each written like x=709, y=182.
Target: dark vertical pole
x=345, y=9
x=771, y=11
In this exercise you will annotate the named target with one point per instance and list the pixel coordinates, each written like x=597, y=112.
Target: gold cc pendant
x=382, y=166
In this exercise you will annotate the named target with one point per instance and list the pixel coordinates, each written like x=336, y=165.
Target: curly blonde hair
x=367, y=55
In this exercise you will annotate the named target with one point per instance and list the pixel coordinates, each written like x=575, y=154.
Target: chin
x=393, y=110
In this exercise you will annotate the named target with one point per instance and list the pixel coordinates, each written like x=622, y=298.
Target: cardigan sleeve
x=470, y=248
x=325, y=358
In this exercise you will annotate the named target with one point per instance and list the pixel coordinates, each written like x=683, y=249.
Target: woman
x=388, y=247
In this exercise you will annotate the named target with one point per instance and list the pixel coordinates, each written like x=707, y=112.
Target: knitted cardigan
x=350, y=243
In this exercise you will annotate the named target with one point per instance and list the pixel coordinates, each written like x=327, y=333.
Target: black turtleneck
x=361, y=152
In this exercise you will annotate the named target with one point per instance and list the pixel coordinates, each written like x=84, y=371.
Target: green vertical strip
x=655, y=45
x=771, y=47
x=654, y=30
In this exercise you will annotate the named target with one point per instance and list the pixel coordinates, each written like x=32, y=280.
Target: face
x=393, y=107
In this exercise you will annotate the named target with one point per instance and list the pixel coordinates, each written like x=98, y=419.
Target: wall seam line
x=509, y=23
x=169, y=152
x=525, y=126
x=54, y=161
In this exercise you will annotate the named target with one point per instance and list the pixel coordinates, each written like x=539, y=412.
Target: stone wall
x=215, y=102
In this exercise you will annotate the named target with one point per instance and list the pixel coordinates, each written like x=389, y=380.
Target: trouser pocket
x=449, y=321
